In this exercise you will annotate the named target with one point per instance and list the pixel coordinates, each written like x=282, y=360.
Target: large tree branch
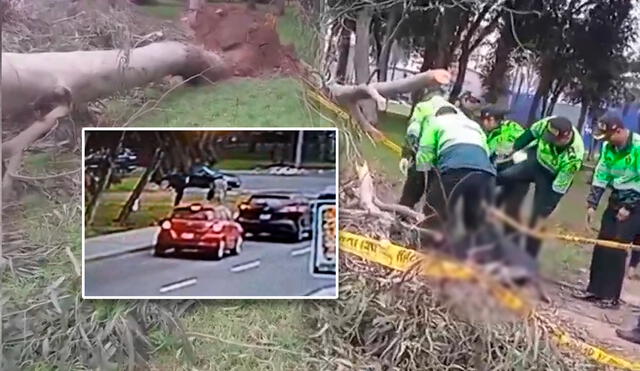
x=95, y=74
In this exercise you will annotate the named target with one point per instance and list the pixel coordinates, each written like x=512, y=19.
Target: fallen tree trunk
x=90, y=75
x=351, y=97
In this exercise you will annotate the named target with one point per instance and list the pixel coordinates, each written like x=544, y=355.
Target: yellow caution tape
x=392, y=146
x=402, y=259
x=345, y=116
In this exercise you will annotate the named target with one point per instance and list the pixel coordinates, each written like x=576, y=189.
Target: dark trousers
x=514, y=182
x=449, y=188
x=635, y=254
x=179, y=194
x=608, y=265
x=414, y=187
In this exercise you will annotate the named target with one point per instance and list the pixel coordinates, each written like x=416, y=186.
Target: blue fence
x=520, y=111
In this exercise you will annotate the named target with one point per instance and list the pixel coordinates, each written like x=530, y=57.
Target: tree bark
x=361, y=50
x=89, y=75
x=104, y=181
x=344, y=46
x=463, y=62
x=298, y=149
x=545, y=103
x=543, y=88
x=142, y=182
x=366, y=108
x=555, y=95
x=350, y=96
x=583, y=114
x=393, y=20
x=517, y=92
x=280, y=7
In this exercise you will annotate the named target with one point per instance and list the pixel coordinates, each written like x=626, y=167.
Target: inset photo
x=210, y=213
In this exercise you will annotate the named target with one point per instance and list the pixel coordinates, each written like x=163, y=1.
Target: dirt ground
x=598, y=325
x=248, y=39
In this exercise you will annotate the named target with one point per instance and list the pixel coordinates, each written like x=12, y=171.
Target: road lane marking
x=302, y=251
x=243, y=267
x=178, y=284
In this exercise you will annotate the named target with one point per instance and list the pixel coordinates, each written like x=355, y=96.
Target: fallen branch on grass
x=374, y=206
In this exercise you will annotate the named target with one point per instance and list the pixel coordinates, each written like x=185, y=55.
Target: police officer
x=423, y=113
x=554, y=155
x=618, y=168
x=470, y=104
x=632, y=335
x=501, y=135
x=455, y=147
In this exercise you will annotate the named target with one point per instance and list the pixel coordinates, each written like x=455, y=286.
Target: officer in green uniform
x=455, y=148
x=414, y=186
x=554, y=154
x=618, y=168
x=501, y=135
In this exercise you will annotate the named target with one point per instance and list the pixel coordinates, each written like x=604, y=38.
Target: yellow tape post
x=402, y=259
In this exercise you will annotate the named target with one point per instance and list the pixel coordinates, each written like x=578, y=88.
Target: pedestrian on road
x=632, y=335
x=554, y=154
x=501, y=135
x=415, y=183
x=455, y=147
x=618, y=168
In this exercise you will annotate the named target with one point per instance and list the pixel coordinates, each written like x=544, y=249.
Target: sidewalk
x=119, y=243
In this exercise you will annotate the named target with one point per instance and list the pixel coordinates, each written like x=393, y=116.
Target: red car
x=202, y=228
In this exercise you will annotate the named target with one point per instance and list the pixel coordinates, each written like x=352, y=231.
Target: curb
x=107, y=255
x=99, y=254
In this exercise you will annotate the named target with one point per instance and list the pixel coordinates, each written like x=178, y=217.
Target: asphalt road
x=263, y=268
x=309, y=184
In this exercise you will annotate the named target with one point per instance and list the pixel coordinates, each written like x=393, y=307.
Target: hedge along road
x=263, y=268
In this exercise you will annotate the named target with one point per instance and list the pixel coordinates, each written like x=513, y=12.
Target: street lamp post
x=298, y=160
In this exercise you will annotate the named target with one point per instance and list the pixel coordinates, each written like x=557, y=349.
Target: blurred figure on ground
x=554, y=155
x=618, y=168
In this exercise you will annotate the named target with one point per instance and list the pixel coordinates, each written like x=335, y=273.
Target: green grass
x=241, y=163
x=165, y=9
x=239, y=329
x=125, y=185
x=271, y=102
x=380, y=157
x=42, y=163
x=152, y=209
x=302, y=36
